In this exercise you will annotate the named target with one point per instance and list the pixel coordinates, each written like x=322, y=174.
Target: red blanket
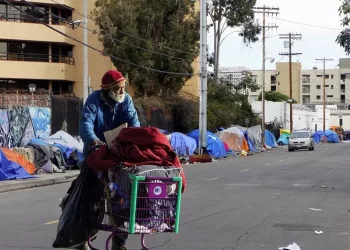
x=136, y=146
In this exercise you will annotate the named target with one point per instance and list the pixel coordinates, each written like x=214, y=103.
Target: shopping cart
x=146, y=205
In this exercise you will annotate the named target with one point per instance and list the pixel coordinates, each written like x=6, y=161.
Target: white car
x=301, y=139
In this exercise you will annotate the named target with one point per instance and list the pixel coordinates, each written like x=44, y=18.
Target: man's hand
x=97, y=143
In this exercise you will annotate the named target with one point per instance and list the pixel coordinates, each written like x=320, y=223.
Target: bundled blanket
x=136, y=146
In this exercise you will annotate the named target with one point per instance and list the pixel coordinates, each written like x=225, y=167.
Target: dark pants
x=119, y=241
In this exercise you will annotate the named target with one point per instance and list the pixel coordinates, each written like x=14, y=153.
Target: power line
x=124, y=33
x=310, y=25
x=114, y=39
x=93, y=48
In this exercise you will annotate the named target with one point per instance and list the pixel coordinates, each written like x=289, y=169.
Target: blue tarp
x=183, y=144
x=250, y=143
x=270, y=139
x=332, y=136
x=283, y=140
x=318, y=135
x=215, y=147
x=10, y=170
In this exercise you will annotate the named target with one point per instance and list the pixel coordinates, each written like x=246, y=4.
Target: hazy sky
x=316, y=42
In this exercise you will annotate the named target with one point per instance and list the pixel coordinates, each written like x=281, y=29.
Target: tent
x=254, y=134
x=284, y=138
x=234, y=138
x=10, y=170
x=318, y=136
x=332, y=136
x=270, y=139
x=183, y=144
x=19, y=159
x=215, y=147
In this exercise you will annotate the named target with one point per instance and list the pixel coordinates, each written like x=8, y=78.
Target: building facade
x=31, y=53
x=307, y=85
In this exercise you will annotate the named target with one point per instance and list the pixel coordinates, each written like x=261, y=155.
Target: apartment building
x=31, y=53
x=283, y=79
x=270, y=83
x=337, y=85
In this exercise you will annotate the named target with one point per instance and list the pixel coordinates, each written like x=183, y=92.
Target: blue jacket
x=101, y=114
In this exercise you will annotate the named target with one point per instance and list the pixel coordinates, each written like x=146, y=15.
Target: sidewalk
x=41, y=180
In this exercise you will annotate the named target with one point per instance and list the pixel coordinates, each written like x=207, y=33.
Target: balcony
x=28, y=57
x=69, y=3
x=306, y=80
x=36, y=66
x=34, y=32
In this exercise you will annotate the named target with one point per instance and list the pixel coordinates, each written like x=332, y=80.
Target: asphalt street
x=264, y=201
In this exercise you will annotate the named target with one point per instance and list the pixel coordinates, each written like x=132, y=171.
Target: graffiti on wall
x=41, y=118
x=20, y=124
x=18, y=118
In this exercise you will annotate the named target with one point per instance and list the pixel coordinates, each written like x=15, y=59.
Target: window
x=318, y=87
x=327, y=76
x=342, y=77
x=331, y=86
x=318, y=97
x=332, y=76
x=273, y=88
x=329, y=95
x=319, y=76
x=327, y=86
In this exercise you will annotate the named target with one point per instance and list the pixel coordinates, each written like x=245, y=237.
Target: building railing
x=342, y=91
x=29, y=57
x=21, y=18
x=306, y=91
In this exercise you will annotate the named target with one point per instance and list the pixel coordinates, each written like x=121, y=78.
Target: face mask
x=116, y=98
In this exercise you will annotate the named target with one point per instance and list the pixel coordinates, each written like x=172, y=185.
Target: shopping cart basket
x=147, y=205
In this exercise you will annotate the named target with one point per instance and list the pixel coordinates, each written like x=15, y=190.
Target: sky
x=315, y=43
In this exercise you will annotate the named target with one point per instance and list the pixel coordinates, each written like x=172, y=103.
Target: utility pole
x=290, y=37
x=324, y=90
x=269, y=11
x=85, y=53
x=202, y=142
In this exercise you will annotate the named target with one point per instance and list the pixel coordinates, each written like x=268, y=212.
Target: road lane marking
x=267, y=164
x=244, y=170
x=212, y=179
x=51, y=222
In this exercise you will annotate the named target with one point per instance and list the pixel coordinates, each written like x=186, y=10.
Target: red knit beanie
x=112, y=78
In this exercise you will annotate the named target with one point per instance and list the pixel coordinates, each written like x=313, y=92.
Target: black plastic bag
x=83, y=208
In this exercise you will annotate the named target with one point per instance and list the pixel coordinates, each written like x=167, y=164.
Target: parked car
x=301, y=139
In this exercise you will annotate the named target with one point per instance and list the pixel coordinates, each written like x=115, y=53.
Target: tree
x=275, y=96
x=230, y=14
x=158, y=34
x=226, y=108
x=343, y=38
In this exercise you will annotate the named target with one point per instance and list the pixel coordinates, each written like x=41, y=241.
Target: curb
x=33, y=183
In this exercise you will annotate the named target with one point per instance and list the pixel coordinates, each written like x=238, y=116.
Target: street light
x=32, y=88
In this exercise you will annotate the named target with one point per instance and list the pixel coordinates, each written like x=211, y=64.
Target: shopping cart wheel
x=143, y=242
